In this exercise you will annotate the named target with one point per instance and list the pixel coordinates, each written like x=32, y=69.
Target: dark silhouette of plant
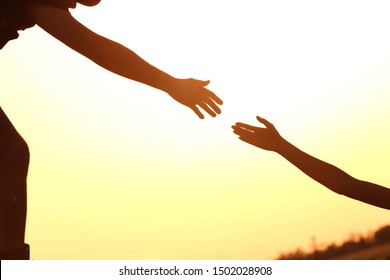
x=334, y=251
x=382, y=235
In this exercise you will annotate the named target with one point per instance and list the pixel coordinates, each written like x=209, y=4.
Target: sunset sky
x=120, y=171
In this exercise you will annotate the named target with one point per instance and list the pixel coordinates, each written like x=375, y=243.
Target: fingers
x=212, y=105
x=252, y=128
x=197, y=112
x=246, y=126
x=209, y=100
x=248, y=136
x=213, y=96
x=242, y=132
x=199, y=97
x=208, y=103
x=208, y=110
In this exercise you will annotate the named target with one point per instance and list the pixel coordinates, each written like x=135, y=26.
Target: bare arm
x=328, y=175
x=122, y=61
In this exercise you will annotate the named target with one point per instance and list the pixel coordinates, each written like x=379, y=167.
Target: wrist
x=282, y=146
x=166, y=83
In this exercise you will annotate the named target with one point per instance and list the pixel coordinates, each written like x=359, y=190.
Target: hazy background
x=120, y=171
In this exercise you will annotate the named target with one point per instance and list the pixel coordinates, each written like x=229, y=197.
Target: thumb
x=198, y=82
x=205, y=83
x=265, y=122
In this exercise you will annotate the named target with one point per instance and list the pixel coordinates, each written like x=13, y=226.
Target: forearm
x=122, y=61
x=105, y=52
x=324, y=173
x=334, y=178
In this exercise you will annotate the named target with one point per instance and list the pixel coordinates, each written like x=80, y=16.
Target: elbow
x=92, y=46
x=345, y=186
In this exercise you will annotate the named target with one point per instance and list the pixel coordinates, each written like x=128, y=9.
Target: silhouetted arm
x=122, y=61
x=333, y=178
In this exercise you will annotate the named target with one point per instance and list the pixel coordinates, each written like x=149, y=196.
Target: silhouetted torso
x=14, y=16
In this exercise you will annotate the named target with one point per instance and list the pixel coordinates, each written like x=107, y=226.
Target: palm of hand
x=193, y=94
x=266, y=138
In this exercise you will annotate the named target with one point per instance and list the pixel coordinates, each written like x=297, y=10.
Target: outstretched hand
x=193, y=94
x=267, y=138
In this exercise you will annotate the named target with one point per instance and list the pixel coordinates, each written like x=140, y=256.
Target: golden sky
x=120, y=171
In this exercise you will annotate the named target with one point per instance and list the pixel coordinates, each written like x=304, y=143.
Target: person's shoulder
x=60, y=4
x=6, y=5
x=11, y=8
x=89, y=3
x=13, y=17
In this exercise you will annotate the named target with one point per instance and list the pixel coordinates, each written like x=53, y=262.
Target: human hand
x=193, y=94
x=267, y=138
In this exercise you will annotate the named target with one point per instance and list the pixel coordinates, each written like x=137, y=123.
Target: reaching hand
x=192, y=93
x=267, y=138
